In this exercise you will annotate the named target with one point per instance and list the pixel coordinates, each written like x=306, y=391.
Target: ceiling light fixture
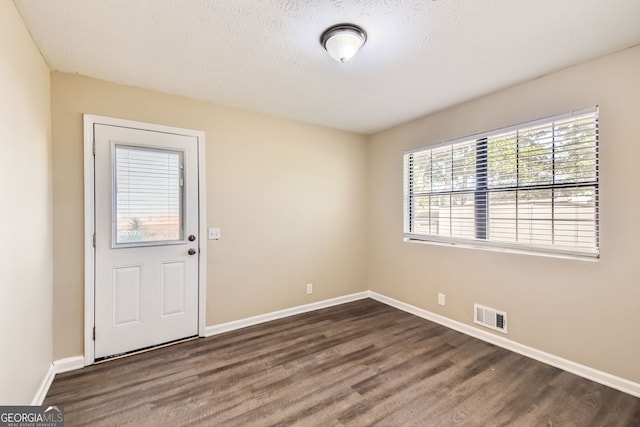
x=342, y=41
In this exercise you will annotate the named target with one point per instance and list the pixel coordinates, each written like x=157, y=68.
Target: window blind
x=148, y=196
x=532, y=187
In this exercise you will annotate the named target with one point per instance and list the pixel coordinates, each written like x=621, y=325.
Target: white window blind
x=531, y=187
x=148, y=196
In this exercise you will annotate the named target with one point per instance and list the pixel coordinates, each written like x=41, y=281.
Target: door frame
x=89, y=120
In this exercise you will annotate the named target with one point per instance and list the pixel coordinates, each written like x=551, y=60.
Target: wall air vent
x=490, y=318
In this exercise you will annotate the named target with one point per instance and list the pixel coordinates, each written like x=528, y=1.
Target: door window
x=148, y=199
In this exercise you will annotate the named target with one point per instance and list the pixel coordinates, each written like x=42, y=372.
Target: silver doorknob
x=192, y=238
x=191, y=251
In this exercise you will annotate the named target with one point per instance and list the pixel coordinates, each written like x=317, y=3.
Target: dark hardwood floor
x=357, y=364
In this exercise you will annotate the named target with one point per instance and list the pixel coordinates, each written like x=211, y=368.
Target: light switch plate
x=214, y=234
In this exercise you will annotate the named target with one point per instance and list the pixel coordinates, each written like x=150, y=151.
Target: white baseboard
x=601, y=377
x=255, y=320
x=44, y=387
x=68, y=364
x=56, y=367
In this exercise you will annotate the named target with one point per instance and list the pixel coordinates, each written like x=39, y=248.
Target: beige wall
x=289, y=197
x=587, y=312
x=25, y=212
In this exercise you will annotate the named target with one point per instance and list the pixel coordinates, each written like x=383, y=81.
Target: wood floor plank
x=526, y=400
x=357, y=364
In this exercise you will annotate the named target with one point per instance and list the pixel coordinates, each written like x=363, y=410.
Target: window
x=148, y=196
x=531, y=187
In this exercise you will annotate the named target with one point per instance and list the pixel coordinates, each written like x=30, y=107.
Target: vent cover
x=490, y=318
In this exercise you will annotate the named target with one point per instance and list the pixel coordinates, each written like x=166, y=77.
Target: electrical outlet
x=441, y=298
x=309, y=288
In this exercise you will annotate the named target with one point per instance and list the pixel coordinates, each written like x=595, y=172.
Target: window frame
x=481, y=190
x=181, y=239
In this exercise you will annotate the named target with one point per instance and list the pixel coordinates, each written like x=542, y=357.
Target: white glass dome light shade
x=343, y=41
x=343, y=46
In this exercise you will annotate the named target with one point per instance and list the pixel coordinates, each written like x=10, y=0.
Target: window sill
x=465, y=245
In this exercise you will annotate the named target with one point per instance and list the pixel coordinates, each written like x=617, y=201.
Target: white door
x=146, y=220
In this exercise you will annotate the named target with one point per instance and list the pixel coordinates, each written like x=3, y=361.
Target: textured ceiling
x=265, y=55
